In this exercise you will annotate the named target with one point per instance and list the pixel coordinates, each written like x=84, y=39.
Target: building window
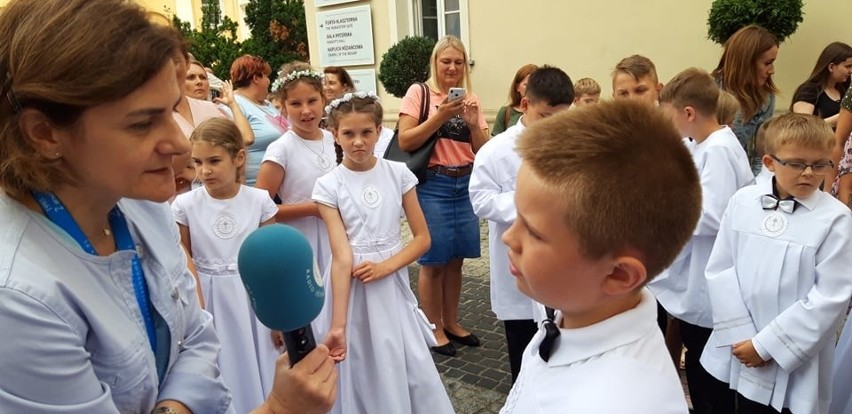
x=438, y=18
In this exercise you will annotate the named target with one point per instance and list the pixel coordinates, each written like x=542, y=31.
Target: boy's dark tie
x=771, y=202
x=551, y=332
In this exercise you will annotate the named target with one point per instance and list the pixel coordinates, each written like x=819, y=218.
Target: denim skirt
x=449, y=215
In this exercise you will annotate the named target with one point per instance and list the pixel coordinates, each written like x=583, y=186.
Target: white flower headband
x=283, y=80
x=348, y=97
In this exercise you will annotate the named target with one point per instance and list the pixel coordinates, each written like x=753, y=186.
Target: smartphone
x=455, y=94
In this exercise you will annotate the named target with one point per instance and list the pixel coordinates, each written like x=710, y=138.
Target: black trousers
x=746, y=406
x=709, y=395
x=518, y=335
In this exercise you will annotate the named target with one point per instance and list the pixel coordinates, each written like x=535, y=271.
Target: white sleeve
x=718, y=185
x=268, y=208
x=409, y=180
x=488, y=196
x=179, y=210
x=732, y=322
x=797, y=334
x=277, y=152
x=325, y=190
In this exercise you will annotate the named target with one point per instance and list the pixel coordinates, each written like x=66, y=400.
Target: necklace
x=322, y=159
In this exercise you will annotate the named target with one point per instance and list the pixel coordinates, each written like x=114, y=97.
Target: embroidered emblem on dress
x=371, y=197
x=774, y=224
x=225, y=226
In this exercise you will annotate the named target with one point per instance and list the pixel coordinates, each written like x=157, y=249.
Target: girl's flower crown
x=348, y=97
x=283, y=80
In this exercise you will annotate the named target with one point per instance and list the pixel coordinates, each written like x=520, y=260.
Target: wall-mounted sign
x=323, y=3
x=346, y=37
x=364, y=79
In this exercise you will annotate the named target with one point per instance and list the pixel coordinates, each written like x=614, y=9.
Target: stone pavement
x=477, y=379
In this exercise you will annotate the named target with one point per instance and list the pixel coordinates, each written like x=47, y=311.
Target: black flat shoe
x=447, y=349
x=469, y=340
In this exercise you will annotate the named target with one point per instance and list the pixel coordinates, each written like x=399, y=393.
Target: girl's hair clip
x=10, y=95
x=348, y=97
x=283, y=80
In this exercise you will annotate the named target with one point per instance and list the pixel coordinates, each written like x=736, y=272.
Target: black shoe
x=447, y=349
x=469, y=340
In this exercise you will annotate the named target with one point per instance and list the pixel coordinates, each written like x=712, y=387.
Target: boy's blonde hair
x=628, y=183
x=586, y=86
x=808, y=131
x=637, y=66
x=692, y=87
x=726, y=108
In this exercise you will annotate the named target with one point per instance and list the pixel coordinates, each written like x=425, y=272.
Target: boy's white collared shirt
x=723, y=169
x=619, y=365
x=492, y=195
x=781, y=280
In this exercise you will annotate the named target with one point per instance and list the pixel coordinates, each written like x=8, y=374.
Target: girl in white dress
x=293, y=162
x=376, y=327
x=214, y=220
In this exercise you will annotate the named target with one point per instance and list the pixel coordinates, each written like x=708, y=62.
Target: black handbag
x=416, y=160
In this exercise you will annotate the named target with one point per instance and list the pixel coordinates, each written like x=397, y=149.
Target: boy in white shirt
x=779, y=277
x=492, y=193
x=596, y=219
x=690, y=99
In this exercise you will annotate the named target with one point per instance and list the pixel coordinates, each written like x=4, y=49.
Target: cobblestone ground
x=477, y=379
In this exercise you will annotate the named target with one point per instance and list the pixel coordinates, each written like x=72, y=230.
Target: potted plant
x=406, y=63
x=780, y=17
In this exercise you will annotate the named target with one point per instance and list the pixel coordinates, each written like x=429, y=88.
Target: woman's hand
x=309, y=387
x=227, y=97
x=448, y=109
x=335, y=340
x=369, y=271
x=471, y=114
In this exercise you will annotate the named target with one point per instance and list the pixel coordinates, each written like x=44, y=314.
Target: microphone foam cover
x=276, y=264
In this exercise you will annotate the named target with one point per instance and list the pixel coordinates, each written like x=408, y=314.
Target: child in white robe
x=213, y=221
x=292, y=164
x=585, y=241
x=492, y=195
x=778, y=277
x=377, y=330
x=691, y=99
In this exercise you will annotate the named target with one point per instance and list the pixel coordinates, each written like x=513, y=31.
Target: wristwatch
x=164, y=410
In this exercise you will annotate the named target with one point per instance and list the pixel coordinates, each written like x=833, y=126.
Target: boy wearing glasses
x=778, y=277
x=690, y=100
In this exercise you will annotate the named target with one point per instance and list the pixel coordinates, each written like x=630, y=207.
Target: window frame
x=463, y=12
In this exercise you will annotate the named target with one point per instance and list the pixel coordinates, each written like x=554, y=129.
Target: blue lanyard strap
x=58, y=214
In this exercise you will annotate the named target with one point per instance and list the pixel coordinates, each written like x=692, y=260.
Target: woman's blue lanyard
x=58, y=214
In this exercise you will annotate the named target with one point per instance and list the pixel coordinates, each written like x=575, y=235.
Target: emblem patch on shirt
x=371, y=197
x=774, y=224
x=225, y=226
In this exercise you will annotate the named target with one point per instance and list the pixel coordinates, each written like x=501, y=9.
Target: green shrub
x=780, y=17
x=406, y=63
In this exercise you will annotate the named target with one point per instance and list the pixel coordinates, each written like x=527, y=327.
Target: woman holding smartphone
x=461, y=130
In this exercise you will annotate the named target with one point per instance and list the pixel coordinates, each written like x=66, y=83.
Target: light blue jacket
x=73, y=339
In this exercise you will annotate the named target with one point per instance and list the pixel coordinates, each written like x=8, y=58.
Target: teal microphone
x=276, y=264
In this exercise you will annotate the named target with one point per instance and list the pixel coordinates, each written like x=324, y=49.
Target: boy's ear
x=768, y=162
x=689, y=112
x=659, y=87
x=627, y=275
x=525, y=104
x=41, y=132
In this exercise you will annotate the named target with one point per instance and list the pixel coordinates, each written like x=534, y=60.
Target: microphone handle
x=299, y=343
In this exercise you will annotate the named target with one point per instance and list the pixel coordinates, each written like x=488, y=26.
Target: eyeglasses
x=817, y=168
